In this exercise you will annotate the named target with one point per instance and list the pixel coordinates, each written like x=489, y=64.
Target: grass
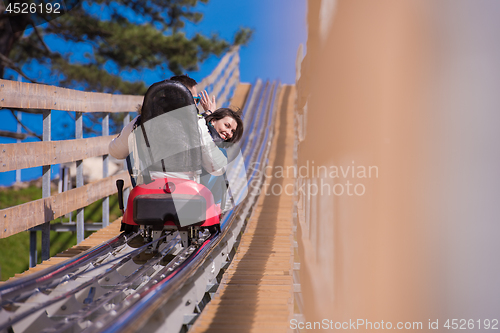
x=14, y=250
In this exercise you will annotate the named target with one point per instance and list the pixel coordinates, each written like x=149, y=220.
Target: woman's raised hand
x=206, y=103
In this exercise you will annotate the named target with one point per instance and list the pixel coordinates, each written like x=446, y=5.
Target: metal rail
x=163, y=308
x=109, y=288
x=84, y=278
x=15, y=290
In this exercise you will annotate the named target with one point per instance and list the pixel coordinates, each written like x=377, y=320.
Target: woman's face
x=225, y=127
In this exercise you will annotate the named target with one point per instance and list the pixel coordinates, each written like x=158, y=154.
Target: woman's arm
x=118, y=148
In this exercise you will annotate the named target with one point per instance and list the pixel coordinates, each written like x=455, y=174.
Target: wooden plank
x=16, y=156
x=240, y=95
x=256, y=292
x=15, y=94
x=208, y=80
x=241, y=302
x=22, y=217
x=235, y=327
x=230, y=78
x=229, y=314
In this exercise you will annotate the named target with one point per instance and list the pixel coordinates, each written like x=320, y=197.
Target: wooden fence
x=46, y=153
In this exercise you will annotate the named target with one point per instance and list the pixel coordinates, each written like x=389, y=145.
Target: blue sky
x=279, y=28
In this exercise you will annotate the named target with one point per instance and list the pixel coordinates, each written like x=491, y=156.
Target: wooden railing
x=222, y=81
x=47, y=153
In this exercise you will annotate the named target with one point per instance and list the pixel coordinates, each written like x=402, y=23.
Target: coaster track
x=115, y=287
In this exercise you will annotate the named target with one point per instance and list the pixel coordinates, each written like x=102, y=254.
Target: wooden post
x=33, y=254
x=126, y=193
x=46, y=186
x=19, y=116
x=80, y=219
x=105, y=161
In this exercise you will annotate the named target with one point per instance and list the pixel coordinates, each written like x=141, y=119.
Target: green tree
x=135, y=34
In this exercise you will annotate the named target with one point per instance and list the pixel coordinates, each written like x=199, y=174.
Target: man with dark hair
x=189, y=82
x=208, y=105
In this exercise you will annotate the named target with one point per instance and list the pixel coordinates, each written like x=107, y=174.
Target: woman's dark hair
x=225, y=112
x=164, y=96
